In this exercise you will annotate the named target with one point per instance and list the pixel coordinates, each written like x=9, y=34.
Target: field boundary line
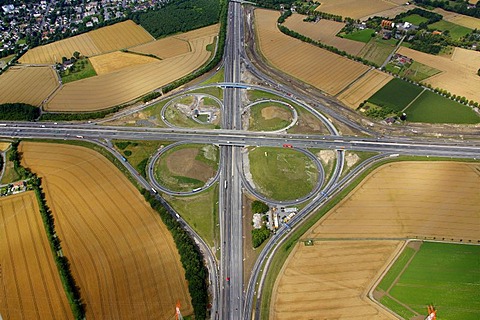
x=411, y=102
x=353, y=82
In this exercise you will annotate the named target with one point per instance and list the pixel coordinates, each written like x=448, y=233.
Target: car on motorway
x=227, y=279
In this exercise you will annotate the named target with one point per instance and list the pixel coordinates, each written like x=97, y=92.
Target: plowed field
x=324, y=31
x=356, y=8
x=325, y=70
x=406, y=199
x=122, y=255
x=30, y=286
x=364, y=88
x=28, y=85
x=119, y=87
x=459, y=74
x=115, y=37
x=118, y=60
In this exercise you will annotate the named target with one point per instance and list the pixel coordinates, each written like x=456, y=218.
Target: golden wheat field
x=30, y=286
x=164, y=48
x=357, y=8
x=29, y=85
x=364, y=88
x=122, y=256
x=324, y=31
x=355, y=241
x=460, y=19
x=125, y=85
x=115, y=37
x=325, y=70
x=459, y=73
x=331, y=279
x=114, y=61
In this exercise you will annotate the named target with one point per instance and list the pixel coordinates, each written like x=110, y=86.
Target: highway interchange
x=230, y=298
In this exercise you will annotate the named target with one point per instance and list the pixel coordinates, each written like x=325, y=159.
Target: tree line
x=196, y=273
x=458, y=6
x=18, y=112
x=72, y=291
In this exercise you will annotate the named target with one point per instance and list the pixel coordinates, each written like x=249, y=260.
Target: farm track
x=122, y=256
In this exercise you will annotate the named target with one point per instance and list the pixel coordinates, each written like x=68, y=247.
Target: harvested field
x=331, y=278
x=164, y=48
x=325, y=70
x=376, y=51
x=120, y=35
x=324, y=31
x=390, y=13
x=4, y=146
x=113, y=89
x=199, y=33
x=460, y=19
x=403, y=199
x=364, y=88
x=29, y=85
x=356, y=8
x=459, y=74
x=115, y=37
x=30, y=286
x=110, y=62
x=122, y=255
x=407, y=199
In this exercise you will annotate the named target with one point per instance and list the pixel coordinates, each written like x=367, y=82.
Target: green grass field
x=433, y=108
x=456, y=31
x=362, y=35
x=138, y=152
x=377, y=50
x=200, y=211
x=416, y=71
x=396, y=94
x=82, y=69
x=259, y=123
x=207, y=154
x=9, y=174
x=445, y=275
x=415, y=19
x=281, y=173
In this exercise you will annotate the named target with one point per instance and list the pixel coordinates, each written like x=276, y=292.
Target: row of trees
x=18, y=112
x=192, y=260
x=63, y=265
x=333, y=49
x=458, y=6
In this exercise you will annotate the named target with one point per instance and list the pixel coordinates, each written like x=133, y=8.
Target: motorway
x=230, y=198
x=231, y=300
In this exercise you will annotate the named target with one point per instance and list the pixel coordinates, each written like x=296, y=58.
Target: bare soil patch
x=323, y=69
x=30, y=286
x=183, y=163
x=122, y=255
x=276, y=112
